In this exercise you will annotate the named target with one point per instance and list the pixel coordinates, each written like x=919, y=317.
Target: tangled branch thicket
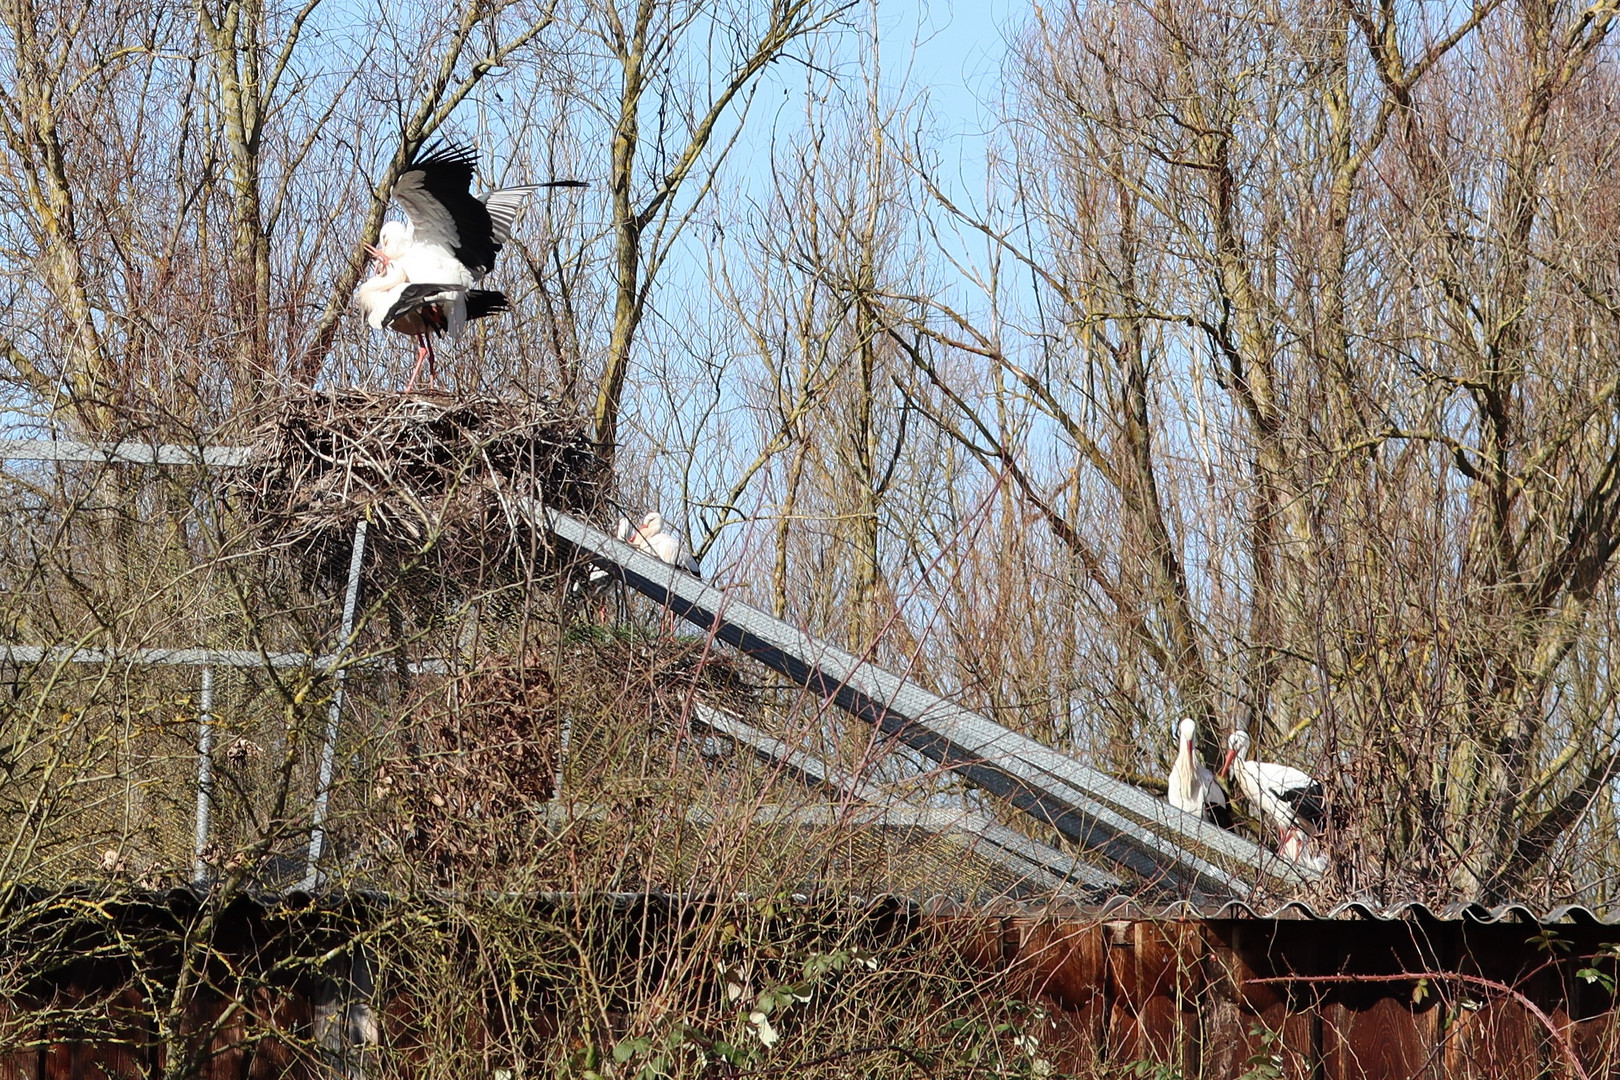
x=483, y=984
x=498, y=742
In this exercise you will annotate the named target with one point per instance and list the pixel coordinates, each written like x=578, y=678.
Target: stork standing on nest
x=390, y=300
x=449, y=240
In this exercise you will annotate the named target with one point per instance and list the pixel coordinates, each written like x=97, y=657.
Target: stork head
x=1237, y=745
x=652, y=523
x=393, y=237
x=1187, y=730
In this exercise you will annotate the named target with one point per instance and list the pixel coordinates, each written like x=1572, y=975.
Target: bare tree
x=1299, y=286
x=658, y=62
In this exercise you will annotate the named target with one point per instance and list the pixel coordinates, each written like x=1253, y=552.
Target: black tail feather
x=1310, y=806
x=482, y=302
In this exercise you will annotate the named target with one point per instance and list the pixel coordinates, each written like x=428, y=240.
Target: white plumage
x=378, y=293
x=1290, y=799
x=1192, y=786
x=450, y=238
x=656, y=539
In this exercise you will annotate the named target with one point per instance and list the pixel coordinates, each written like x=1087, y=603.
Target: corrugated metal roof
x=1133, y=909
x=1414, y=909
x=1118, y=908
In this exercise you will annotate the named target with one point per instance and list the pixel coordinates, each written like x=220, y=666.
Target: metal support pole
x=317, y=835
x=566, y=730
x=205, y=774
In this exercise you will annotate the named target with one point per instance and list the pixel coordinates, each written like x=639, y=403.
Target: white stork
x=653, y=537
x=450, y=232
x=1193, y=787
x=1292, y=800
x=600, y=576
x=452, y=236
x=390, y=300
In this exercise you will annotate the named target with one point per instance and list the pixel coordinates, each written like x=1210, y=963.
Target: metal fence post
x=317, y=835
x=205, y=774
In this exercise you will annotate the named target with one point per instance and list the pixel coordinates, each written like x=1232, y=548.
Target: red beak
x=1231, y=756
x=377, y=253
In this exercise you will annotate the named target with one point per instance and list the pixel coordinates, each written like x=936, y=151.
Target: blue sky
x=959, y=48
x=946, y=55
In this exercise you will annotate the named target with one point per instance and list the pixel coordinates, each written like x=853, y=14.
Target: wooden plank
x=1224, y=1018
x=1156, y=974
x=1122, y=1041
x=1266, y=1026
x=1296, y=1020
x=225, y=1058
x=983, y=941
x=1380, y=1036
x=1596, y=1043
x=1067, y=961
x=1492, y=1040
x=60, y=1062
x=400, y=1030
x=1070, y=962
x=1166, y=980
x=1072, y=1047
x=22, y=1064
x=90, y=1046
x=285, y=1018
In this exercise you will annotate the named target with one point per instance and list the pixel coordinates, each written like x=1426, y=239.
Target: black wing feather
x=447, y=174
x=480, y=302
x=414, y=297
x=1309, y=803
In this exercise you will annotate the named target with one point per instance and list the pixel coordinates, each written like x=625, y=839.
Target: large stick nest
x=434, y=477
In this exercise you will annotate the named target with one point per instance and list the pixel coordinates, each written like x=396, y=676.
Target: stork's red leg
x=433, y=374
x=422, y=353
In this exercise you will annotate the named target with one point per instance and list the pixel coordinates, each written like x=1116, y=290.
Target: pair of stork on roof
x=427, y=266
x=1291, y=800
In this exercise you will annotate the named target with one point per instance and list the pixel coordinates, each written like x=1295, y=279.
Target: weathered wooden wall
x=1329, y=999
x=1203, y=998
